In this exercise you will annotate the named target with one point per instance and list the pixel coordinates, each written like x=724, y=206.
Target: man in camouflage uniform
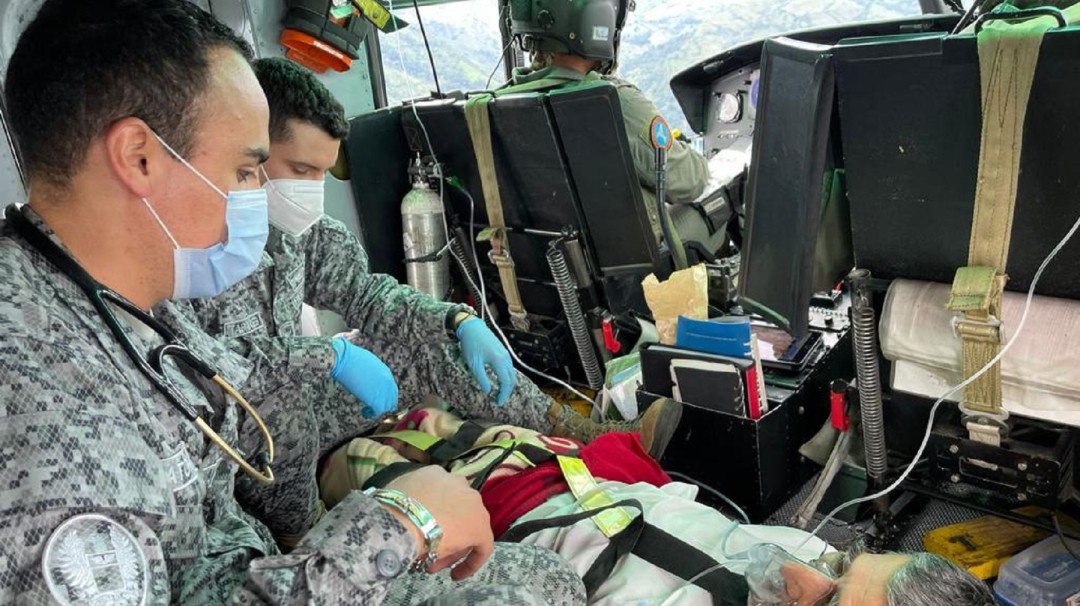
x=314, y=259
x=562, y=57
x=108, y=493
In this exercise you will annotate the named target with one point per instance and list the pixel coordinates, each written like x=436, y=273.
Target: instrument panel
x=732, y=109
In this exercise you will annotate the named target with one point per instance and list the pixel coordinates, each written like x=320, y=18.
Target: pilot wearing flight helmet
x=578, y=41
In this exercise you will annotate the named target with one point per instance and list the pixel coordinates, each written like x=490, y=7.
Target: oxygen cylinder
x=426, y=262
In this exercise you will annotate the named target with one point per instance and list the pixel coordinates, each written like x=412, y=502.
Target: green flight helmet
x=587, y=28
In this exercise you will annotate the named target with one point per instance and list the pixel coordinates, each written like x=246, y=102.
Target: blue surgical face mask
x=208, y=272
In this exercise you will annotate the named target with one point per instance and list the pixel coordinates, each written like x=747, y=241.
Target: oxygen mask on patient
x=777, y=578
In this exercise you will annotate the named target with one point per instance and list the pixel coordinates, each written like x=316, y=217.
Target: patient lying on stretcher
x=529, y=498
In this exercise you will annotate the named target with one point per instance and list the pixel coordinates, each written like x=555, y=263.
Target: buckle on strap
x=989, y=330
x=500, y=257
x=520, y=321
x=986, y=428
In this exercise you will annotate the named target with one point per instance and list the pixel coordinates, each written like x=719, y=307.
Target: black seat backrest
x=535, y=190
x=590, y=126
x=911, y=123
x=562, y=162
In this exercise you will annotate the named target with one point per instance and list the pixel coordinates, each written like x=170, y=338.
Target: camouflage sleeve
x=351, y=557
x=338, y=279
x=91, y=512
x=687, y=170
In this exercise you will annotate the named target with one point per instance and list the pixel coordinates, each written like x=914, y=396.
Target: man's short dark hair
x=294, y=92
x=82, y=65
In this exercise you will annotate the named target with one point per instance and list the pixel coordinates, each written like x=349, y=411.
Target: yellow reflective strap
x=418, y=439
x=610, y=521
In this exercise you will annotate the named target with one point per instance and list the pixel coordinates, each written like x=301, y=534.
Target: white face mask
x=295, y=204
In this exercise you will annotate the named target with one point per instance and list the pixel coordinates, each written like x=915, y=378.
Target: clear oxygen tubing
x=933, y=409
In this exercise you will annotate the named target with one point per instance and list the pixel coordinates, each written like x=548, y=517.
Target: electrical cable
x=431, y=57
x=484, y=303
x=502, y=55
x=716, y=493
x=1061, y=535
x=965, y=19
x=472, y=227
x=933, y=409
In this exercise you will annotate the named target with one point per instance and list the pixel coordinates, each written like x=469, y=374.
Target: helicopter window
x=465, y=44
x=663, y=37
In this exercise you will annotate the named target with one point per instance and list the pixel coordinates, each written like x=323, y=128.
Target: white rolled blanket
x=1040, y=373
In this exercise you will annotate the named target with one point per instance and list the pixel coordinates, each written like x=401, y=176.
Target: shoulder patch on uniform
x=92, y=559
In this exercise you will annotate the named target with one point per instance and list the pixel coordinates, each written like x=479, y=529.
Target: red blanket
x=618, y=457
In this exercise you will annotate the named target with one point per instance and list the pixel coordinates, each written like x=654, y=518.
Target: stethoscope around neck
x=152, y=365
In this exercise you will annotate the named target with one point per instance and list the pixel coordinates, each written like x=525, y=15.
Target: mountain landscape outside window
x=661, y=38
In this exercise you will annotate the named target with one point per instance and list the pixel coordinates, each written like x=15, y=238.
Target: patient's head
x=916, y=579
x=924, y=578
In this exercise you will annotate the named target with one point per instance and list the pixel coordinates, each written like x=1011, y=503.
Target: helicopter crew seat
x=564, y=172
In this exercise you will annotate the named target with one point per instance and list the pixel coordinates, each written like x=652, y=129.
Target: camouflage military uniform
x=327, y=268
x=109, y=495
x=687, y=170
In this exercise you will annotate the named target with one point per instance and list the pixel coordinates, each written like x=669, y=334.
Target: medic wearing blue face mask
x=208, y=272
x=200, y=273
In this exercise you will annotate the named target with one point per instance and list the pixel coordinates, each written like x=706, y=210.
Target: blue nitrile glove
x=481, y=348
x=366, y=377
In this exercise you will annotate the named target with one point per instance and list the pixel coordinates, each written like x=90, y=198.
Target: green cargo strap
x=1008, y=55
x=476, y=114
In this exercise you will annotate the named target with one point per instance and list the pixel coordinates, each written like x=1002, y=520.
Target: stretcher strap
x=440, y=450
x=391, y=472
x=610, y=520
x=653, y=545
x=1008, y=54
x=479, y=120
x=581, y=482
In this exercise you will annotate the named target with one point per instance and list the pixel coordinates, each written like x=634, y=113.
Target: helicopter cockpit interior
x=886, y=224
x=857, y=155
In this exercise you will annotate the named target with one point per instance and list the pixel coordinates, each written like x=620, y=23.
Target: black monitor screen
x=785, y=186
